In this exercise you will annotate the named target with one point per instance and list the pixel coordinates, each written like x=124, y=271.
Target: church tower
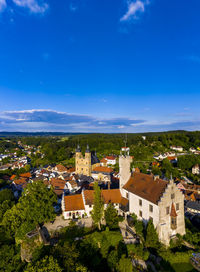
x=124, y=167
x=83, y=164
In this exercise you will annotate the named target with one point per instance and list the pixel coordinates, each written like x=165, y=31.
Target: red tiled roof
x=146, y=187
x=26, y=175
x=12, y=177
x=108, y=196
x=102, y=169
x=110, y=158
x=74, y=203
x=58, y=185
x=104, y=160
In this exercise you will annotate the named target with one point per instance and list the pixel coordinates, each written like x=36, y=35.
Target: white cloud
x=133, y=9
x=32, y=5
x=2, y=5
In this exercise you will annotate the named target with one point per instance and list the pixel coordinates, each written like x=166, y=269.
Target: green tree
x=97, y=211
x=34, y=207
x=152, y=236
x=125, y=264
x=47, y=264
x=111, y=216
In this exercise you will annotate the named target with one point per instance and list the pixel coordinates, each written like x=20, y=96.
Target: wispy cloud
x=134, y=8
x=60, y=121
x=2, y=5
x=33, y=5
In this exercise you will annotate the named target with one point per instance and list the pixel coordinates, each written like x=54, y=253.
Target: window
x=140, y=202
x=150, y=208
x=172, y=196
x=167, y=210
x=140, y=213
x=90, y=206
x=126, y=195
x=173, y=223
x=177, y=206
x=70, y=214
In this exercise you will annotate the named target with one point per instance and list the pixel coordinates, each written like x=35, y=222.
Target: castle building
x=147, y=196
x=150, y=197
x=85, y=164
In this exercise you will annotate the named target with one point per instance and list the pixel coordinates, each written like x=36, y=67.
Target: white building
x=177, y=148
x=196, y=170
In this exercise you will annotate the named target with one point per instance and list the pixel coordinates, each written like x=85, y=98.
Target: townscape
x=150, y=207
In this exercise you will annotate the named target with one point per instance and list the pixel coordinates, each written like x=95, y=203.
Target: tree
x=47, y=264
x=152, y=236
x=97, y=211
x=34, y=207
x=125, y=264
x=111, y=217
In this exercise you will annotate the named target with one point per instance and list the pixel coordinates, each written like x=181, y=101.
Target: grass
x=181, y=262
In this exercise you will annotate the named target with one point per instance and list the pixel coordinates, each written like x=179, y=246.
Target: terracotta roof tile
x=124, y=201
x=26, y=175
x=108, y=196
x=74, y=203
x=146, y=187
x=61, y=168
x=102, y=169
x=110, y=158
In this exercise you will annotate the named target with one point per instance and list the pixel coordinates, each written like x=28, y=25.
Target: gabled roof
x=146, y=187
x=74, y=202
x=26, y=175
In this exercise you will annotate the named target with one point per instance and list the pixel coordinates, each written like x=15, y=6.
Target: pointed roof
x=173, y=211
x=87, y=149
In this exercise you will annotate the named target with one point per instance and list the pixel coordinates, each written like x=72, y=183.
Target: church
x=147, y=196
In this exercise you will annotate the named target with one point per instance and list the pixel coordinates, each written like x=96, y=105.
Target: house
x=192, y=149
x=103, y=162
x=193, y=207
x=73, y=206
x=196, y=170
x=81, y=205
x=59, y=186
x=60, y=169
x=72, y=185
x=102, y=173
x=177, y=148
x=111, y=160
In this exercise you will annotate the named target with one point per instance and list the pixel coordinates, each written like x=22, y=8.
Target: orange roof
x=13, y=177
x=102, y=169
x=20, y=181
x=137, y=170
x=74, y=203
x=124, y=201
x=61, y=168
x=58, y=185
x=171, y=158
x=110, y=158
x=26, y=175
x=108, y=196
x=146, y=187
x=104, y=160
x=71, y=170
x=173, y=211
x=111, y=196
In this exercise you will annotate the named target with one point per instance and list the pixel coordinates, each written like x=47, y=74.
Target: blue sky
x=103, y=66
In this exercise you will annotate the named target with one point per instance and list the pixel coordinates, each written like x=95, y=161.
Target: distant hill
x=27, y=134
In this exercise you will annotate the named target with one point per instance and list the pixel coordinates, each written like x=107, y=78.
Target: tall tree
x=97, y=211
x=152, y=236
x=111, y=217
x=46, y=264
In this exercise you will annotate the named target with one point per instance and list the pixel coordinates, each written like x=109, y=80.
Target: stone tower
x=83, y=164
x=124, y=167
